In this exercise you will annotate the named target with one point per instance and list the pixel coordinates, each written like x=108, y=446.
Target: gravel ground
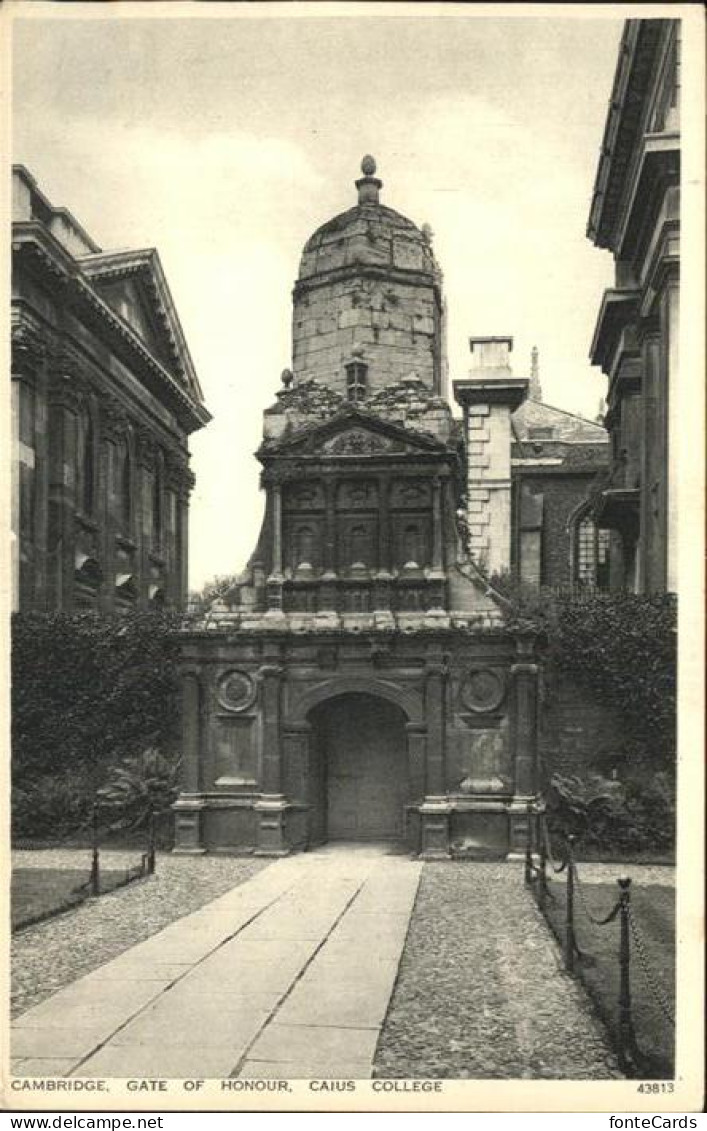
x=481, y=993
x=663, y=874
x=51, y=954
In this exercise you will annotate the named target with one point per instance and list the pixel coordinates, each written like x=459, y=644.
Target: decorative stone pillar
x=272, y=806
x=435, y=809
x=188, y=808
x=524, y=673
x=273, y=585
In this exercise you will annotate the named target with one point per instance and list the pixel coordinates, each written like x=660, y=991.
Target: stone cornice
x=619, y=309
x=28, y=349
x=634, y=74
x=49, y=258
x=510, y=391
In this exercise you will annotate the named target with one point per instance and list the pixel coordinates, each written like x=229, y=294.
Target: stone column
x=273, y=584
x=64, y=405
x=524, y=674
x=327, y=588
x=435, y=810
x=381, y=588
x=272, y=806
x=190, y=804
x=29, y=435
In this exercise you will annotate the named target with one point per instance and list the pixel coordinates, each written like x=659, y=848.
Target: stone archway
x=359, y=776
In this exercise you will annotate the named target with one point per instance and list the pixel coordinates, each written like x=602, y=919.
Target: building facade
x=635, y=214
x=104, y=398
x=556, y=460
x=360, y=684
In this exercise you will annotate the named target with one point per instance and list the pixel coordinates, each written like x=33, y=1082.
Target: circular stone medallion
x=483, y=690
x=236, y=690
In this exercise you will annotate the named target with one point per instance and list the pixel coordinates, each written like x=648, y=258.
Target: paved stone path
x=291, y=975
x=288, y=975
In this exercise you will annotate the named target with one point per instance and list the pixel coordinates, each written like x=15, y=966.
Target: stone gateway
x=360, y=684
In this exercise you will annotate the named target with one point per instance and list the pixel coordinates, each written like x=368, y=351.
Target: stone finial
x=368, y=185
x=535, y=392
x=287, y=377
x=427, y=234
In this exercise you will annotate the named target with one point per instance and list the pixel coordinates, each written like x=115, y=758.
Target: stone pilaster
x=272, y=806
x=273, y=585
x=190, y=804
x=524, y=674
x=64, y=408
x=435, y=809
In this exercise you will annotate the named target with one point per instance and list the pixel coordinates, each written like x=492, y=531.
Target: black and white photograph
x=354, y=593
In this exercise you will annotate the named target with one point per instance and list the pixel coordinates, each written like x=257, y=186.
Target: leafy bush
x=609, y=815
x=138, y=786
x=622, y=647
x=87, y=692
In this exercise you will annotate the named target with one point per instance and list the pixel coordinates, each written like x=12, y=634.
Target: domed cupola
x=367, y=306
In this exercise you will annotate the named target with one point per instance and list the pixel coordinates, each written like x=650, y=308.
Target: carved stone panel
x=410, y=494
x=236, y=690
x=482, y=690
x=235, y=755
x=357, y=494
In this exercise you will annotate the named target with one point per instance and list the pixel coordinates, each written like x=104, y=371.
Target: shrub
x=609, y=815
x=138, y=786
x=87, y=692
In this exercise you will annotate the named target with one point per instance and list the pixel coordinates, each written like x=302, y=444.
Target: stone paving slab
x=302, y=1070
x=205, y=995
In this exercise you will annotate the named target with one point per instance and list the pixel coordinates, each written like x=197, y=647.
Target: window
x=591, y=555
x=356, y=381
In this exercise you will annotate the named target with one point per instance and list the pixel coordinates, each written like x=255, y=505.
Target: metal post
x=626, y=1038
x=151, y=842
x=542, y=887
x=95, y=875
x=529, y=845
x=569, y=917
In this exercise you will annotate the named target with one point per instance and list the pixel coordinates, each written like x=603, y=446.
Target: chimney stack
x=488, y=397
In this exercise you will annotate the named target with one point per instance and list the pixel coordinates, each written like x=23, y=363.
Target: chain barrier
x=630, y=1058
x=647, y=970
x=585, y=906
x=545, y=832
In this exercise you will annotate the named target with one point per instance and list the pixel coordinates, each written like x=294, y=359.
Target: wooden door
x=364, y=748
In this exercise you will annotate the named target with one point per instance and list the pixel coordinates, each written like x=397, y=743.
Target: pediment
x=133, y=284
x=355, y=434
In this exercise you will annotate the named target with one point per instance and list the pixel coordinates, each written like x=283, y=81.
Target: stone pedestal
x=188, y=833
x=271, y=812
x=434, y=828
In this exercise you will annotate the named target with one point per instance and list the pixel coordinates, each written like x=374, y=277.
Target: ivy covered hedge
x=88, y=692
x=621, y=648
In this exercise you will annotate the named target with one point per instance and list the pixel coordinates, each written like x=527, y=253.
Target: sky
x=225, y=141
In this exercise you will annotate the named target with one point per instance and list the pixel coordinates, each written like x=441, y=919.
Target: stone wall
x=390, y=325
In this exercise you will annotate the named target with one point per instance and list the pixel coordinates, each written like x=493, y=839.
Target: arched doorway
x=359, y=769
